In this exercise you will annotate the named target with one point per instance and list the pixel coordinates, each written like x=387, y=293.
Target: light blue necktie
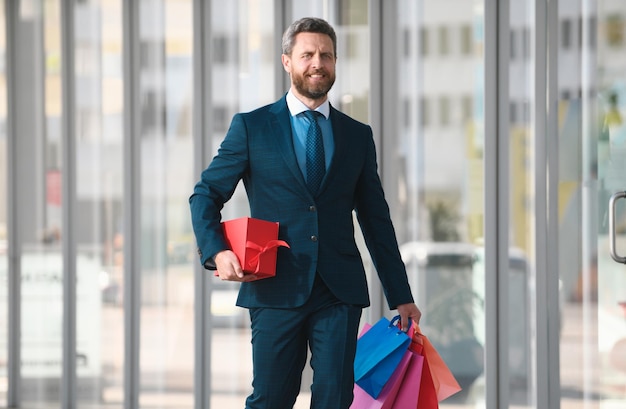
x=315, y=162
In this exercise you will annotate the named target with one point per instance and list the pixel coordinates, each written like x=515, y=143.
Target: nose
x=316, y=60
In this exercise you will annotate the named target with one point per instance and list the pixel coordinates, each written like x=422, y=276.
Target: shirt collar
x=296, y=106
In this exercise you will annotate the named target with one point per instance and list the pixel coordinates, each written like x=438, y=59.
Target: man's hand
x=229, y=269
x=407, y=312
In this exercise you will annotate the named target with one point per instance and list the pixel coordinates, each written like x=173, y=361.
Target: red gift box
x=255, y=242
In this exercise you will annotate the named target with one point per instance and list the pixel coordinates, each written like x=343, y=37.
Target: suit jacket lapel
x=341, y=147
x=280, y=125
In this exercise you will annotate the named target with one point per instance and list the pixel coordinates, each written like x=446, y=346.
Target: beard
x=313, y=91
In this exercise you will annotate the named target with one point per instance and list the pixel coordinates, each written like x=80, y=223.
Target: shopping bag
x=378, y=353
x=409, y=390
x=427, y=398
x=401, y=390
x=435, y=369
x=387, y=396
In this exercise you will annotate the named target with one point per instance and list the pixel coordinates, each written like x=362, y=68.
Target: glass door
x=607, y=272
x=592, y=204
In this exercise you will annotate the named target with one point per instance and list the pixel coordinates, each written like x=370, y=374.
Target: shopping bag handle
x=417, y=338
x=395, y=322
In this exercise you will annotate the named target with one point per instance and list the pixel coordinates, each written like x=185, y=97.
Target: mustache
x=321, y=72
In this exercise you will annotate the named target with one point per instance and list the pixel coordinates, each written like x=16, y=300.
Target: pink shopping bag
x=409, y=389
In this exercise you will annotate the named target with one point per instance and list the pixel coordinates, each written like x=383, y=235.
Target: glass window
x=579, y=32
x=467, y=108
x=425, y=111
x=166, y=177
x=513, y=117
x=526, y=43
x=242, y=79
x=424, y=41
x=407, y=42
x=407, y=115
x=614, y=30
x=220, y=50
x=592, y=32
x=444, y=41
x=351, y=91
x=433, y=171
x=444, y=111
x=592, y=165
x=99, y=195
x=566, y=33
x=466, y=40
x=522, y=273
x=513, y=44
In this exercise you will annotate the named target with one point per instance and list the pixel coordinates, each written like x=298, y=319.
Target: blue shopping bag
x=378, y=353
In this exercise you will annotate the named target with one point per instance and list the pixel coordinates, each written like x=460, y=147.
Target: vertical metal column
x=376, y=14
x=379, y=32
x=68, y=143
x=282, y=11
x=26, y=119
x=14, y=289
x=552, y=263
x=540, y=113
x=202, y=149
x=132, y=202
x=497, y=43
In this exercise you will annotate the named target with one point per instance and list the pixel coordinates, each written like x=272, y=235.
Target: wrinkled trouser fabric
x=280, y=340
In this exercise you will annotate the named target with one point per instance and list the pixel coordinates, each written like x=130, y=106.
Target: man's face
x=311, y=66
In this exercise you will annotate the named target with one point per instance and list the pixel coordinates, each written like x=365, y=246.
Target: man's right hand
x=229, y=268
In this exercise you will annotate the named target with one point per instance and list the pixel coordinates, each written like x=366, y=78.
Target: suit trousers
x=281, y=339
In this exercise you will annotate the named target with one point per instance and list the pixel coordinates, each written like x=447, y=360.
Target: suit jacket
x=258, y=149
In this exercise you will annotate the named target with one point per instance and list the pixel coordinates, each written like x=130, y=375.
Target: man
x=315, y=299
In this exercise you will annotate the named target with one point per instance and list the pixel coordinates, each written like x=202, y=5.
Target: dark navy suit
x=258, y=149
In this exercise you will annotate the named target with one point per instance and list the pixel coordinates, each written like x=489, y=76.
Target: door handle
x=614, y=255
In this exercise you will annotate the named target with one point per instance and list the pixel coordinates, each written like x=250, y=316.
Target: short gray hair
x=307, y=25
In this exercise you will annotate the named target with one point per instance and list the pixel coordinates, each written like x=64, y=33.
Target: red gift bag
x=438, y=382
x=255, y=242
x=427, y=398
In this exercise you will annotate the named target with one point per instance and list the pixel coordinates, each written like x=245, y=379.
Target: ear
x=286, y=60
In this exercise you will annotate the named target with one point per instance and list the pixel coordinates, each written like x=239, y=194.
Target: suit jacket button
x=313, y=238
x=311, y=208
